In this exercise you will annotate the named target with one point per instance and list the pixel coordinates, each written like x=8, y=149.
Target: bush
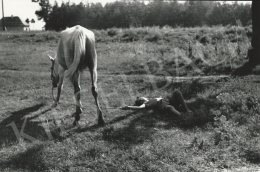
x=237, y=121
x=154, y=37
x=51, y=36
x=203, y=39
x=252, y=154
x=112, y=32
x=130, y=35
x=191, y=89
x=237, y=106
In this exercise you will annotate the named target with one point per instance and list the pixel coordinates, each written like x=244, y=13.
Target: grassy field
x=222, y=134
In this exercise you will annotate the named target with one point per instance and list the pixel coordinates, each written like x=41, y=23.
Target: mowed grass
x=222, y=134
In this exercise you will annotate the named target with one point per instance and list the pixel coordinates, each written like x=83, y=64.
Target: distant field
x=215, y=50
x=222, y=134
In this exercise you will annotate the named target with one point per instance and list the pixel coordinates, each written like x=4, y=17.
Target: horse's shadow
x=27, y=124
x=146, y=123
x=23, y=124
x=27, y=160
x=141, y=125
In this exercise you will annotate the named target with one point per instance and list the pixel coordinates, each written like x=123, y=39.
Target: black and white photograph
x=129, y=85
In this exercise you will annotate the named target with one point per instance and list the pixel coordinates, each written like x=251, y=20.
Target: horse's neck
x=56, y=66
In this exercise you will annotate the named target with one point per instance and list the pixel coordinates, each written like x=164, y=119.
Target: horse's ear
x=51, y=58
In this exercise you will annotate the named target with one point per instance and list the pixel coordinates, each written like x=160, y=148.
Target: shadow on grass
x=140, y=126
x=148, y=122
x=13, y=125
x=246, y=69
x=96, y=126
x=243, y=70
x=31, y=160
x=140, y=129
x=201, y=112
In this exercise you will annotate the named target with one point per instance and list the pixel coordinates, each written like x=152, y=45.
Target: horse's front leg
x=60, y=85
x=78, y=102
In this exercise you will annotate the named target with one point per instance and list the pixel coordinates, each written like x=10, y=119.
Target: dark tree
x=27, y=21
x=254, y=53
x=135, y=13
x=33, y=21
x=43, y=13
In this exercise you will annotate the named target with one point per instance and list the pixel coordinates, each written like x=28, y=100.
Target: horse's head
x=54, y=72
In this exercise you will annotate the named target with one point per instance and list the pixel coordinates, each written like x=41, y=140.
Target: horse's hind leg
x=93, y=73
x=100, y=115
x=77, y=98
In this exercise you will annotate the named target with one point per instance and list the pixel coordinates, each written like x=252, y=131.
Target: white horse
x=75, y=52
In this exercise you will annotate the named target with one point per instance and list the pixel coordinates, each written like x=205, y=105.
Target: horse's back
x=73, y=32
x=68, y=38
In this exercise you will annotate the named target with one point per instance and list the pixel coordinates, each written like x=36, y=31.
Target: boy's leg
x=172, y=110
x=177, y=100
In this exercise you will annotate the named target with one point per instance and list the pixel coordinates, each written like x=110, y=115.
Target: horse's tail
x=78, y=63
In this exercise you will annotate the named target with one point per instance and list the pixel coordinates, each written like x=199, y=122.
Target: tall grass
x=214, y=50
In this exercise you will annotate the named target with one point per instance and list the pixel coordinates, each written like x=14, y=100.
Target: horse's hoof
x=76, y=123
x=55, y=122
x=55, y=104
x=101, y=122
x=79, y=111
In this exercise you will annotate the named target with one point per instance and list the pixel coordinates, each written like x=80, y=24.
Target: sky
x=26, y=9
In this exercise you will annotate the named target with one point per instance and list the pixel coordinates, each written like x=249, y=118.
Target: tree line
x=124, y=14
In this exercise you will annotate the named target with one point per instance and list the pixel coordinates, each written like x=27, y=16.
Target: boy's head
x=140, y=100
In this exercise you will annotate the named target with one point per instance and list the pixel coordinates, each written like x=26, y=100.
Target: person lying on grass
x=174, y=105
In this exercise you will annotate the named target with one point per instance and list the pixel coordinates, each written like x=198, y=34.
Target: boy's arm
x=134, y=107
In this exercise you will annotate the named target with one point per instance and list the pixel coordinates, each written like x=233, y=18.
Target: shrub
x=130, y=35
x=252, y=154
x=192, y=88
x=228, y=135
x=203, y=38
x=218, y=36
x=237, y=106
x=154, y=37
x=100, y=35
x=112, y=32
x=142, y=31
x=237, y=121
x=51, y=36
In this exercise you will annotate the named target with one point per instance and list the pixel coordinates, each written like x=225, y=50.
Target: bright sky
x=26, y=9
